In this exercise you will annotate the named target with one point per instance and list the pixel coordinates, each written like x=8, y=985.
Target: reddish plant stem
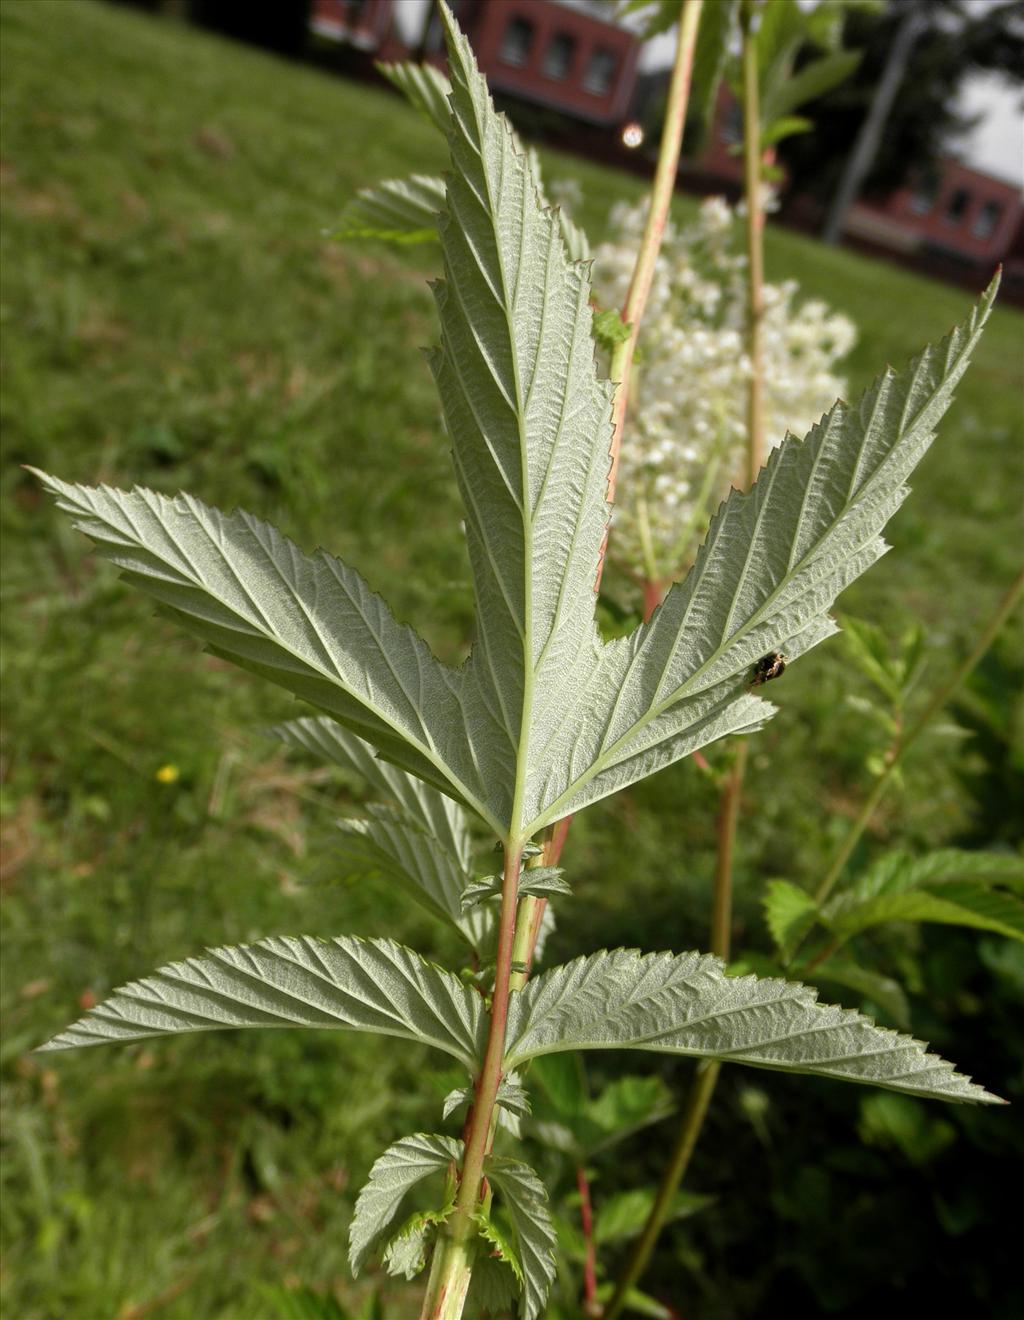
x=590, y=1306
x=453, y=1257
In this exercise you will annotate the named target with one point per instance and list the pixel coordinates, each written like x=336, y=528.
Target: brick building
x=566, y=58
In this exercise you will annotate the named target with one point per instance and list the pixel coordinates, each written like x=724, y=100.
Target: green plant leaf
x=386, y=842
x=493, y=1288
x=424, y=87
x=808, y=83
x=396, y=211
x=950, y=886
x=685, y=1004
x=511, y=1096
x=400, y=1168
x=284, y=981
x=305, y=1304
x=623, y=1107
x=306, y=622
x=884, y=990
x=715, y=34
x=405, y=1256
x=524, y=1198
x=541, y=882
x=424, y=842
x=531, y=431
x=896, y=1121
x=790, y=913
x=504, y=1249
x=774, y=560
x=420, y=804
x=609, y=329
x=786, y=126
x=620, y=1217
x=562, y=1081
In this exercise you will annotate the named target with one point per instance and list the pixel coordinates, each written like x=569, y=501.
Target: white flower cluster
x=686, y=430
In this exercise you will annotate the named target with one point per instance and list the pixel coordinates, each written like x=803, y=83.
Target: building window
x=731, y=131
x=516, y=43
x=558, y=56
x=957, y=206
x=925, y=194
x=600, y=72
x=986, y=220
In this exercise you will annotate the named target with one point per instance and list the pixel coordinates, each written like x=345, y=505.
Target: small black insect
x=768, y=667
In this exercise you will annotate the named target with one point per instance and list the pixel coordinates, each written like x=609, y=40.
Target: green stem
x=453, y=1258
x=905, y=741
x=752, y=170
x=657, y=217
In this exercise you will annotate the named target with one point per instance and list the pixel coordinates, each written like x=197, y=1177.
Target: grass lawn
x=172, y=315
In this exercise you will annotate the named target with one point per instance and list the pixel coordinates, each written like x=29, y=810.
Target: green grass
x=173, y=316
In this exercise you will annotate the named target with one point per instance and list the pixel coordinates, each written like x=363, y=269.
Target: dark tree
x=954, y=40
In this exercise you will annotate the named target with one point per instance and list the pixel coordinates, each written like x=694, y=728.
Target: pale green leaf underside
x=422, y=805
x=396, y=211
x=343, y=983
x=524, y=1198
x=544, y=717
x=383, y=842
x=531, y=433
x=405, y=1256
x=307, y=622
x=424, y=87
x=399, y=1169
x=774, y=560
x=685, y=1004
x=420, y=840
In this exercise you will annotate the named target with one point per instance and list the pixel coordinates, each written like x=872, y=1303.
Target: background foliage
x=172, y=315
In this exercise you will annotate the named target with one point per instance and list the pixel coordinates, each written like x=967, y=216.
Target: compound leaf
x=685, y=1004
x=544, y=717
x=400, y=1168
x=284, y=981
x=774, y=560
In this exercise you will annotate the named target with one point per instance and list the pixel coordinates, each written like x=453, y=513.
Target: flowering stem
x=657, y=217
x=752, y=167
x=453, y=1257
x=699, y=1097
x=904, y=742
